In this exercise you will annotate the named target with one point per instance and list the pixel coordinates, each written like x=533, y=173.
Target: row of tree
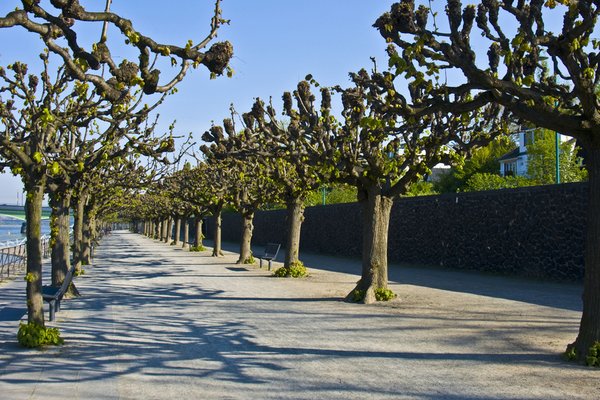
x=396, y=125
x=80, y=128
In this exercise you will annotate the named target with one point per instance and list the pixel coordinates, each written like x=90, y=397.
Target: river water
x=10, y=229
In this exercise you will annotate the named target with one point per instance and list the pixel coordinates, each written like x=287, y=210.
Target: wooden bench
x=271, y=250
x=53, y=295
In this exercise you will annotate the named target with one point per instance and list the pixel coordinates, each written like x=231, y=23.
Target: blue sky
x=276, y=43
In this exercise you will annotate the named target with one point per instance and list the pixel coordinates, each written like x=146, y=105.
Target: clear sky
x=276, y=43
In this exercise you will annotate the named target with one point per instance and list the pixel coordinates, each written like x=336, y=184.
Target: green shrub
x=197, y=248
x=80, y=272
x=33, y=335
x=486, y=181
x=295, y=270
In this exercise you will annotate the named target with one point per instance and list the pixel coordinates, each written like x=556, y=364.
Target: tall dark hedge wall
x=534, y=232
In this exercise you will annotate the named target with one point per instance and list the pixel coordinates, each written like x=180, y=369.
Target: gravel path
x=155, y=322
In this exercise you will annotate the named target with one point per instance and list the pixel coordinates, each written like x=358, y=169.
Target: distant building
x=515, y=162
x=437, y=172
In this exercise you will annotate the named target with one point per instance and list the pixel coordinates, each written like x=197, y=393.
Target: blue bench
x=53, y=295
x=271, y=250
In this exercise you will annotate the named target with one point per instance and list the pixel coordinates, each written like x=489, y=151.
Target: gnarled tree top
x=546, y=73
x=56, y=24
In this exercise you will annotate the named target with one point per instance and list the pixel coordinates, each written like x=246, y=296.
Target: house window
x=510, y=168
x=529, y=137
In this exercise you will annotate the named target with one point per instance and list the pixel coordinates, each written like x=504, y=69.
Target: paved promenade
x=155, y=322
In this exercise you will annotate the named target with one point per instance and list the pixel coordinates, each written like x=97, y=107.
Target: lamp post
x=557, y=151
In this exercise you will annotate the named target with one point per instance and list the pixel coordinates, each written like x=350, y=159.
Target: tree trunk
x=157, y=229
x=59, y=231
x=86, y=242
x=294, y=219
x=376, y=210
x=78, y=230
x=198, y=229
x=60, y=241
x=94, y=232
x=177, y=230
x=33, y=210
x=246, y=240
x=217, y=233
x=589, y=328
x=168, y=229
x=186, y=232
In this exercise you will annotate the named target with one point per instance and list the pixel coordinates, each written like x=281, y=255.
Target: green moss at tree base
x=197, y=248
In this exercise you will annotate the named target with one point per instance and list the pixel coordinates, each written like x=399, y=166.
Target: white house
x=437, y=171
x=515, y=162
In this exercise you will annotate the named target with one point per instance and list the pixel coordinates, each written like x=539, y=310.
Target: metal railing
x=13, y=256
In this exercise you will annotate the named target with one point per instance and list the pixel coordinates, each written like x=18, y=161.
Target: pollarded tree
x=156, y=209
x=287, y=157
x=541, y=64
x=104, y=190
x=178, y=188
x=383, y=155
x=25, y=138
x=56, y=25
x=251, y=186
x=146, y=210
x=24, y=134
x=86, y=150
x=205, y=186
x=73, y=145
x=181, y=210
x=253, y=189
